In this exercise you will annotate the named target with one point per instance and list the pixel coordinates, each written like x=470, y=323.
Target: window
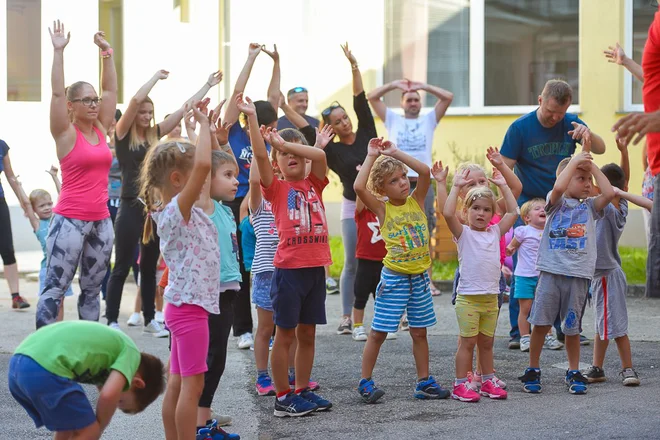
x=641, y=13
x=494, y=55
x=111, y=21
x=23, y=50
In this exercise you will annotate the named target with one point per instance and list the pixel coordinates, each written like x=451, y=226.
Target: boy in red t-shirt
x=298, y=282
x=369, y=252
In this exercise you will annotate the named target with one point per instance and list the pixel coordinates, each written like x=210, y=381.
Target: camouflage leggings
x=71, y=242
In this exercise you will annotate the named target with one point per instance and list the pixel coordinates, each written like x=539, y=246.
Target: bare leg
x=536, y=344
x=358, y=316
x=485, y=350
x=370, y=353
x=169, y=405
x=573, y=351
x=138, y=301
x=420, y=351
x=625, y=353
x=186, y=407
x=600, y=348
x=203, y=414
x=11, y=273
x=292, y=353
x=306, y=335
x=279, y=358
x=265, y=326
x=60, y=314
x=523, y=324
x=159, y=299
x=464, y=355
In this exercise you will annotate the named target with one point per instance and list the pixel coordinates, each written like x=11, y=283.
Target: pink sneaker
x=477, y=380
x=473, y=383
x=464, y=393
x=313, y=386
x=491, y=389
x=265, y=386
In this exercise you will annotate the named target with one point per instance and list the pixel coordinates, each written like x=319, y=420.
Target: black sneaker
x=594, y=374
x=514, y=343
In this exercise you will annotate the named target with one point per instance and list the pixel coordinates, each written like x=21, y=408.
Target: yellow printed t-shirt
x=406, y=236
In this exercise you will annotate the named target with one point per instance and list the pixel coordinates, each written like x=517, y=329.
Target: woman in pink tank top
x=81, y=230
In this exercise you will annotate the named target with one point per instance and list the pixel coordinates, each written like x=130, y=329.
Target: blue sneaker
x=264, y=386
x=213, y=432
x=321, y=403
x=531, y=380
x=369, y=392
x=293, y=406
x=430, y=389
x=577, y=383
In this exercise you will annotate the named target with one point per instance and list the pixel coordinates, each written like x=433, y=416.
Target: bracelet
x=107, y=53
x=354, y=66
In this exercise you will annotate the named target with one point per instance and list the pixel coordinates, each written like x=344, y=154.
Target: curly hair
x=383, y=167
x=159, y=163
x=479, y=192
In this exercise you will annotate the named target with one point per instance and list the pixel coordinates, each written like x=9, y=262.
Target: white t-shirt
x=530, y=239
x=412, y=136
x=479, y=261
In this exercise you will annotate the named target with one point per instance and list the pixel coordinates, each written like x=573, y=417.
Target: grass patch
x=633, y=261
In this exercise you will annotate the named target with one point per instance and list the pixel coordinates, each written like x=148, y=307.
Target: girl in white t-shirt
x=478, y=245
x=526, y=240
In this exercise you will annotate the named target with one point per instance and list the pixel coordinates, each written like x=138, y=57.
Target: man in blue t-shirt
x=534, y=145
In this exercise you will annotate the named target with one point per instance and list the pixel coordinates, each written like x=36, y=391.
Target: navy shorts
x=53, y=401
x=298, y=296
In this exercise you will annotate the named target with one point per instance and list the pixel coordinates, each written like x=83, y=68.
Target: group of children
x=566, y=248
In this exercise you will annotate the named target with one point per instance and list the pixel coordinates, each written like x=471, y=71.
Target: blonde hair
x=383, y=167
x=562, y=165
x=470, y=166
x=150, y=135
x=527, y=207
x=480, y=192
x=38, y=194
x=159, y=163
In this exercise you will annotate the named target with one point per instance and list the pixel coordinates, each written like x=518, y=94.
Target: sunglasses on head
x=296, y=90
x=329, y=110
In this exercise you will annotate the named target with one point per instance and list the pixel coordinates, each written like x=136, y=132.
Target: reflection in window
x=23, y=50
x=642, y=19
x=528, y=42
x=428, y=41
x=111, y=21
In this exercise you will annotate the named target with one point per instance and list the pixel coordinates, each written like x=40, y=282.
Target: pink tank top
x=85, y=171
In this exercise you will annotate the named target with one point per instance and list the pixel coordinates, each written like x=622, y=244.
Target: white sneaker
x=245, y=341
x=134, y=320
x=114, y=326
x=359, y=333
x=391, y=335
x=552, y=343
x=156, y=329
x=524, y=344
x=160, y=317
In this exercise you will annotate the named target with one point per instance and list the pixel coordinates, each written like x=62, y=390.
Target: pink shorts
x=189, y=326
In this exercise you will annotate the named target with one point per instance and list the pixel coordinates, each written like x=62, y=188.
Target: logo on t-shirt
x=302, y=208
x=550, y=149
x=246, y=155
x=411, y=136
x=568, y=229
x=375, y=231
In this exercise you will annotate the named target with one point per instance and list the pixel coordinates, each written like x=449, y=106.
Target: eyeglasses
x=329, y=110
x=296, y=90
x=87, y=102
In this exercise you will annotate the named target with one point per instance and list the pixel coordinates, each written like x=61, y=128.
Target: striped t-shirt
x=263, y=222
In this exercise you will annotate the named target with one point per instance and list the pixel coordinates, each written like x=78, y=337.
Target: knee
x=92, y=432
x=285, y=335
x=418, y=333
x=378, y=337
x=467, y=343
x=306, y=334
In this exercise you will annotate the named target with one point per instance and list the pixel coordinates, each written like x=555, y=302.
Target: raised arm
x=606, y=191
x=625, y=159
x=232, y=112
x=257, y=135
x=360, y=184
x=424, y=178
x=440, y=173
x=60, y=126
x=108, y=82
x=56, y=180
x=291, y=114
x=27, y=208
x=449, y=211
x=127, y=118
x=498, y=161
x=582, y=160
x=357, y=76
x=189, y=122
x=274, y=86
x=375, y=96
x=617, y=55
x=174, y=119
x=511, y=215
x=640, y=201
x=445, y=97
x=255, y=183
x=315, y=153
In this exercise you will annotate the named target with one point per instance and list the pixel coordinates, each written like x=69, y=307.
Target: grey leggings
x=71, y=242
x=347, y=279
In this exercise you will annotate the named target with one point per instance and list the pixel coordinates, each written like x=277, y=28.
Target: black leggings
x=6, y=239
x=219, y=329
x=128, y=231
x=242, y=306
x=367, y=281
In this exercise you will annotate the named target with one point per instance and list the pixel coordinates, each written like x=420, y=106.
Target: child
x=609, y=284
x=47, y=368
x=480, y=264
x=526, y=240
x=566, y=261
x=39, y=210
x=298, y=281
x=369, y=252
x=175, y=172
x=404, y=284
x=135, y=319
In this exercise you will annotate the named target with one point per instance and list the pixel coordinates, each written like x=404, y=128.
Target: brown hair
x=219, y=158
x=527, y=207
x=151, y=134
x=383, y=167
x=160, y=161
x=562, y=165
x=558, y=90
x=151, y=371
x=72, y=92
x=289, y=135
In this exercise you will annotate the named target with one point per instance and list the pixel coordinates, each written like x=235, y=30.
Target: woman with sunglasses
x=344, y=157
x=135, y=133
x=81, y=229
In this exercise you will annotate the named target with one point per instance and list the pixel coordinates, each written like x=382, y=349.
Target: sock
x=300, y=390
x=486, y=377
x=357, y=324
x=460, y=381
x=14, y=295
x=292, y=371
x=262, y=373
x=209, y=421
x=281, y=396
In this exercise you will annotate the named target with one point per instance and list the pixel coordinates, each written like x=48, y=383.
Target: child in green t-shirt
x=47, y=368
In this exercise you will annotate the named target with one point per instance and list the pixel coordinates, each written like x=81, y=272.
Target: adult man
x=534, y=145
x=298, y=100
x=412, y=133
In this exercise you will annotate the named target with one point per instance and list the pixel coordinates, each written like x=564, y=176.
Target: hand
x=189, y=121
x=274, y=54
x=509, y=251
x=57, y=36
x=497, y=179
x=53, y=170
x=494, y=157
x=281, y=102
x=462, y=179
x=324, y=136
x=580, y=132
x=388, y=148
x=402, y=84
x=439, y=172
x=415, y=86
x=375, y=146
x=348, y=54
x=214, y=78
x=266, y=133
x=615, y=54
x=200, y=110
x=161, y=74
x=254, y=49
x=639, y=124
x=216, y=111
x=276, y=140
x=617, y=191
x=582, y=160
x=246, y=106
x=100, y=41
x=621, y=145
x=221, y=128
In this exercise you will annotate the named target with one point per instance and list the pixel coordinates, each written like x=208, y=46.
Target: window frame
x=476, y=61
x=628, y=105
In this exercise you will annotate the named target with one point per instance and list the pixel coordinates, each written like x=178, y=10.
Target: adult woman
x=134, y=135
x=344, y=157
x=81, y=229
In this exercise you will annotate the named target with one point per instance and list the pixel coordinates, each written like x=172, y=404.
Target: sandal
x=435, y=291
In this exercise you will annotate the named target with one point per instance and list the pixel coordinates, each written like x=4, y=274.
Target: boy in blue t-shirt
x=566, y=261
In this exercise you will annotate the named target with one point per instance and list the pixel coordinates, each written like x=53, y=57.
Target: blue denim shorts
x=261, y=290
x=53, y=401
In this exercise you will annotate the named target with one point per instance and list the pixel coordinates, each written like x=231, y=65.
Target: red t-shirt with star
x=370, y=244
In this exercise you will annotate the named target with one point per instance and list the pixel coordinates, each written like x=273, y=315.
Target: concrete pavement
x=609, y=410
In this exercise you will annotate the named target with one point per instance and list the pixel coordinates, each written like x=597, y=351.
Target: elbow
x=608, y=193
x=449, y=98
